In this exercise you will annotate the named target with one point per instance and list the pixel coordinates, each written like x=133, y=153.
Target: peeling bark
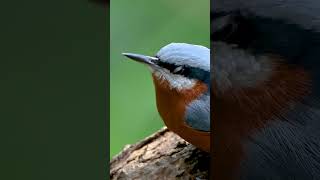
x=163, y=155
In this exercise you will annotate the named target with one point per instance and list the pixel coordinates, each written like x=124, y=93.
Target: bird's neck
x=172, y=105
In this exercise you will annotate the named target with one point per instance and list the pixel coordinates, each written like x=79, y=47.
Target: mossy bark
x=163, y=155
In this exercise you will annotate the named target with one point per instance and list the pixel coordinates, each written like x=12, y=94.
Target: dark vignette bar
x=265, y=105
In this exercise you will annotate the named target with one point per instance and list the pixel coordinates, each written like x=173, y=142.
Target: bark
x=163, y=155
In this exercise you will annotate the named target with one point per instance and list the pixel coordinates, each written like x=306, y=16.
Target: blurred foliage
x=144, y=26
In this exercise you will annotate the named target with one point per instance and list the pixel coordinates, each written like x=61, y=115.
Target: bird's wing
x=198, y=114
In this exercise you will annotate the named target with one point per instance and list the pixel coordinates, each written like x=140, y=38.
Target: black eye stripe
x=214, y=15
x=173, y=68
x=170, y=67
x=166, y=65
x=186, y=71
x=235, y=30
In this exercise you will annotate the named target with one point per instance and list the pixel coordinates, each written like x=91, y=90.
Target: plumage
x=186, y=54
x=181, y=76
x=267, y=120
x=172, y=106
x=264, y=87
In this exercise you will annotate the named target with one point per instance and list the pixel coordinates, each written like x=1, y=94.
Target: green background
x=144, y=26
x=53, y=90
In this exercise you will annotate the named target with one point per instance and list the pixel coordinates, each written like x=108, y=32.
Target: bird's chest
x=171, y=108
x=172, y=104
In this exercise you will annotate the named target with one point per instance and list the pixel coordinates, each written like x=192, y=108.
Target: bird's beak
x=149, y=60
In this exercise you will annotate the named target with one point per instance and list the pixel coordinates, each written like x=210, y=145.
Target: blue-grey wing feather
x=198, y=113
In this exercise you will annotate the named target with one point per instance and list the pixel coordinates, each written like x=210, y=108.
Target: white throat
x=175, y=81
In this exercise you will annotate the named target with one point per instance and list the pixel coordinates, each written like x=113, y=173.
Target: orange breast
x=242, y=112
x=172, y=105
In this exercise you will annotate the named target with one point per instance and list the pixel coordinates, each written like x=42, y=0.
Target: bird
x=266, y=88
x=263, y=84
x=181, y=77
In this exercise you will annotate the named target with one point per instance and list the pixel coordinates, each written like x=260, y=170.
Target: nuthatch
x=266, y=98
x=181, y=76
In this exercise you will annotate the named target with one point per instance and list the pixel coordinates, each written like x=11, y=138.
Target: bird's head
x=263, y=51
x=178, y=66
x=181, y=75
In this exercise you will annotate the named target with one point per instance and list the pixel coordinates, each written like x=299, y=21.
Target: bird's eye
x=233, y=28
x=178, y=70
x=223, y=25
x=175, y=69
x=224, y=28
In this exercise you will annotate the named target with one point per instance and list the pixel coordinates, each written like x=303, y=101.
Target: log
x=163, y=155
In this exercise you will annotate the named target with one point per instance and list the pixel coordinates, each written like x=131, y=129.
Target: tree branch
x=163, y=155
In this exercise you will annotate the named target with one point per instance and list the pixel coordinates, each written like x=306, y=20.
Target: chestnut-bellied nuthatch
x=181, y=76
x=266, y=68
x=265, y=88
